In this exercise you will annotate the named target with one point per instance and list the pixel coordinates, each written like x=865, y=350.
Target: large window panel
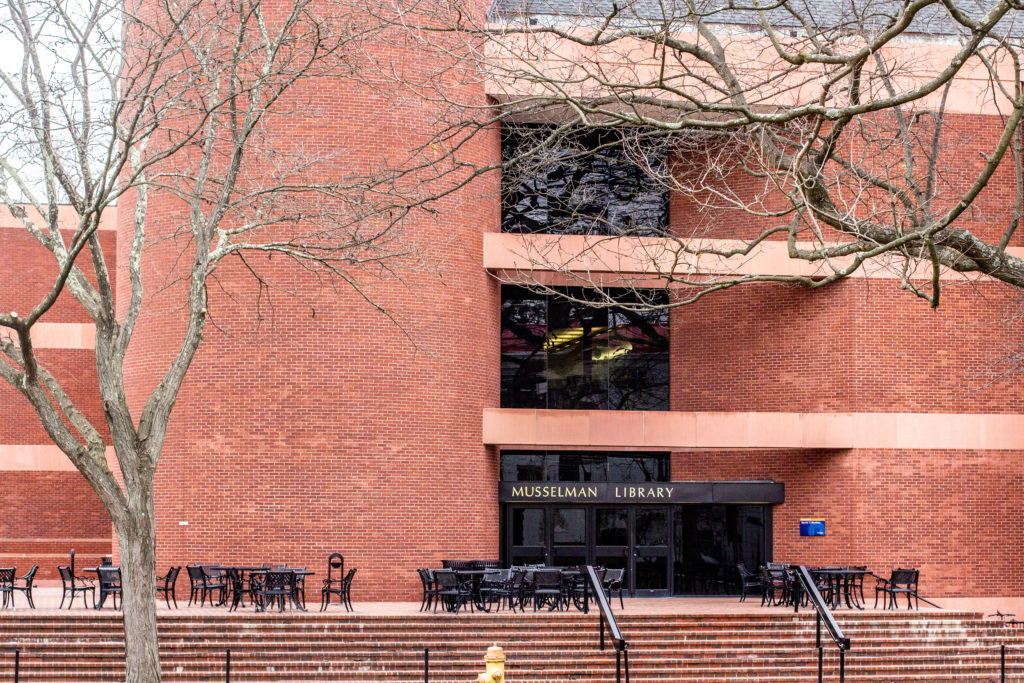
x=590, y=466
x=598, y=182
x=523, y=351
x=559, y=352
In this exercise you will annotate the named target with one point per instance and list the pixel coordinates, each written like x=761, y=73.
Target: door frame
x=631, y=550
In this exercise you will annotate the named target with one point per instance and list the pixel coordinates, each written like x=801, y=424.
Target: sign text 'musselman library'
x=662, y=492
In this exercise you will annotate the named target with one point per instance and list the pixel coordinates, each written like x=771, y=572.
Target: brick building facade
x=327, y=428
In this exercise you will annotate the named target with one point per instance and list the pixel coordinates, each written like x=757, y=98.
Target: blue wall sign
x=812, y=527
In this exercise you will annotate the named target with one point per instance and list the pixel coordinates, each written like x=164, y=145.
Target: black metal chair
x=214, y=580
x=26, y=587
x=75, y=584
x=429, y=589
x=775, y=586
x=574, y=587
x=195, y=581
x=901, y=581
x=495, y=589
x=612, y=584
x=7, y=585
x=276, y=586
x=109, y=584
x=749, y=581
x=547, y=589
x=451, y=592
x=165, y=584
x=332, y=584
x=346, y=589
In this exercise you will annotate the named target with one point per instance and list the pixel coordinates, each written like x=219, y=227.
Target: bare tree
x=849, y=132
x=170, y=104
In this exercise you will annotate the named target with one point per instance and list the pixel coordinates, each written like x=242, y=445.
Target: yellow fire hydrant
x=494, y=660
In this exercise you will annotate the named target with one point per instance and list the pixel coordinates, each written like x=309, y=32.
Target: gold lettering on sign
x=554, y=492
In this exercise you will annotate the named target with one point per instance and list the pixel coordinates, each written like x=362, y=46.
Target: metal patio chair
x=7, y=585
x=26, y=587
x=276, y=586
x=749, y=582
x=451, y=592
x=75, y=584
x=900, y=582
x=109, y=584
x=332, y=584
x=165, y=584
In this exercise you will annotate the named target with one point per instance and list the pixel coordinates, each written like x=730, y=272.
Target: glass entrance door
x=650, y=554
x=635, y=538
x=528, y=535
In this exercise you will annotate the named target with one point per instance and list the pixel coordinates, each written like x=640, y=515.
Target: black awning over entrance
x=764, y=492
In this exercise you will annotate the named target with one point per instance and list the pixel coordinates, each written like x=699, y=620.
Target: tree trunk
x=137, y=542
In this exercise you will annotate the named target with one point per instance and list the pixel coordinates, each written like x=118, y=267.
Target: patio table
x=843, y=582
x=301, y=605
x=475, y=575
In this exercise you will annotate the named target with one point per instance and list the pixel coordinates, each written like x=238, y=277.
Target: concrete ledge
x=677, y=430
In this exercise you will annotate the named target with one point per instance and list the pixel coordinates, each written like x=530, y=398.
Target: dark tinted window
x=710, y=540
x=592, y=466
x=587, y=183
x=562, y=353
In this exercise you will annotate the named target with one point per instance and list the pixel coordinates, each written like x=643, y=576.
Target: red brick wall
x=45, y=515
x=324, y=427
x=48, y=513
x=953, y=514
x=857, y=346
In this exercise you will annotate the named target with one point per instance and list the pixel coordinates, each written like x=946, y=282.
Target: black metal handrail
x=606, y=617
x=805, y=581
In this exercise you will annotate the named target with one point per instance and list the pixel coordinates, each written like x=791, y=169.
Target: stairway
x=928, y=646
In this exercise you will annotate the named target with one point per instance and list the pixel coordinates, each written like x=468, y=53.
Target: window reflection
x=591, y=466
x=710, y=540
x=528, y=527
x=558, y=353
x=587, y=183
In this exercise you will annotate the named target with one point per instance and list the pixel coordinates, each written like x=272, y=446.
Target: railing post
x=817, y=631
x=842, y=666
x=426, y=665
x=227, y=665
x=586, y=594
x=625, y=656
x=601, y=626
x=821, y=664
x=618, y=666
x=17, y=664
x=1002, y=663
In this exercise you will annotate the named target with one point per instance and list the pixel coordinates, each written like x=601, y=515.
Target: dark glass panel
x=528, y=527
x=593, y=182
x=577, y=333
x=570, y=526
x=569, y=556
x=527, y=557
x=709, y=542
x=522, y=466
x=638, y=467
x=651, y=572
x=612, y=526
x=638, y=357
x=651, y=527
x=561, y=353
x=573, y=466
x=523, y=354
x=593, y=466
x=613, y=561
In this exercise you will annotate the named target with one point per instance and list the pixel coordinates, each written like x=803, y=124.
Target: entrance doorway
x=665, y=549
